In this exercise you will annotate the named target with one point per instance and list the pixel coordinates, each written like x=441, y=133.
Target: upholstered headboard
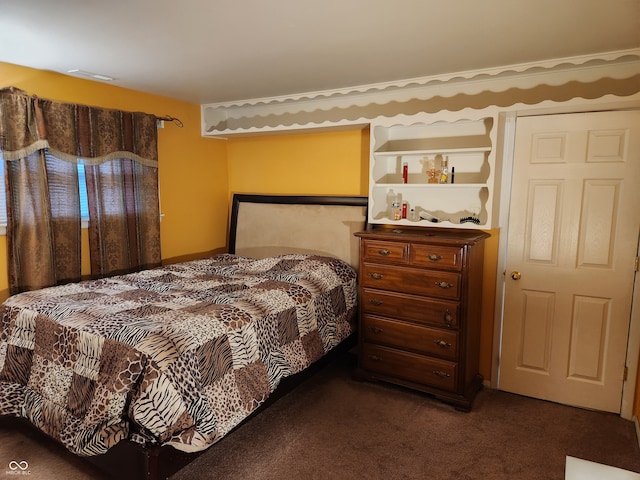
x=267, y=225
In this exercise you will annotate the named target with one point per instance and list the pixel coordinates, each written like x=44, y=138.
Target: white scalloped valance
x=559, y=80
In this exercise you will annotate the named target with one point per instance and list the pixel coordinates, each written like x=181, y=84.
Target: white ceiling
x=205, y=51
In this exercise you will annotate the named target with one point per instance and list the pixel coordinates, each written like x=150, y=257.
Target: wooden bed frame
x=260, y=226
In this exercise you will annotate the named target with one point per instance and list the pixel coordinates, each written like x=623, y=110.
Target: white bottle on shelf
x=391, y=202
x=444, y=174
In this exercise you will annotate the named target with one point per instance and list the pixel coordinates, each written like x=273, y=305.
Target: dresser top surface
x=423, y=234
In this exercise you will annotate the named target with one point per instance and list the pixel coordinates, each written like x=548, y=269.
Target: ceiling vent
x=94, y=76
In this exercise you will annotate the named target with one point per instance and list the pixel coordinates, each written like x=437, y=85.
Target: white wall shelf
x=467, y=144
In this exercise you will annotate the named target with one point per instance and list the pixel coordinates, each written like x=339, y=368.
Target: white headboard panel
x=267, y=225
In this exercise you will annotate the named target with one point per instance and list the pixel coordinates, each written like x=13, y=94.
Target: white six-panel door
x=572, y=241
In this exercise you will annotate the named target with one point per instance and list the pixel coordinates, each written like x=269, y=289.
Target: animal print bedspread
x=175, y=355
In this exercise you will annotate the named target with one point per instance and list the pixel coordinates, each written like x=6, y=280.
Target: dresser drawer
x=436, y=256
x=410, y=280
x=407, y=336
x=395, y=252
x=422, y=310
x=410, y=366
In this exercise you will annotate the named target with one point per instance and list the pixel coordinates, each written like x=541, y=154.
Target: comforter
x=176, y=355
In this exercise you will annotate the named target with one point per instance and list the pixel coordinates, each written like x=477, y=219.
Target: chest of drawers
x=420, y=297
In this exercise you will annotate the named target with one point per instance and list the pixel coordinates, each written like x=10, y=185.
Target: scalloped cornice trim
x=587, y=76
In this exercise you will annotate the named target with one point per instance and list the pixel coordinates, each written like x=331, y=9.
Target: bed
x=157, y=366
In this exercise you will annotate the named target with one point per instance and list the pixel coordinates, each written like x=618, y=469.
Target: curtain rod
x=168, y=118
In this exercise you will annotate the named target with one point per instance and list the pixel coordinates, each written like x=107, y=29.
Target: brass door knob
x=516, y=275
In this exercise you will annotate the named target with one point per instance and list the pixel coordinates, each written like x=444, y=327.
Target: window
x=82, y=185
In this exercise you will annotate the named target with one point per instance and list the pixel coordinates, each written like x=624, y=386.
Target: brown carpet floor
x=332, y=427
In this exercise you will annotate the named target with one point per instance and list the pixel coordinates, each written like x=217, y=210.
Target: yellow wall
x=489, y=279
x=192, y=169
x=314, y=163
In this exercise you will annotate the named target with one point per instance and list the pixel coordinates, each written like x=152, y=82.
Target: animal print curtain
x=42, y=141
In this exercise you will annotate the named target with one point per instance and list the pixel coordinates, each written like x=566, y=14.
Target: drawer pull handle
x=434, y=257
x=376, y=276
x=444, y=284
x=375, y=358
x=376, y=302
x=441, y=374
x=442, y=344
x=375, y=329
x=384, y=252
x=448, y=318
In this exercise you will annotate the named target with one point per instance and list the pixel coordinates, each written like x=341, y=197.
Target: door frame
x=507, y=123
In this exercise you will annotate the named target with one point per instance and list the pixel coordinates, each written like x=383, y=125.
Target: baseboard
x=635, y=421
